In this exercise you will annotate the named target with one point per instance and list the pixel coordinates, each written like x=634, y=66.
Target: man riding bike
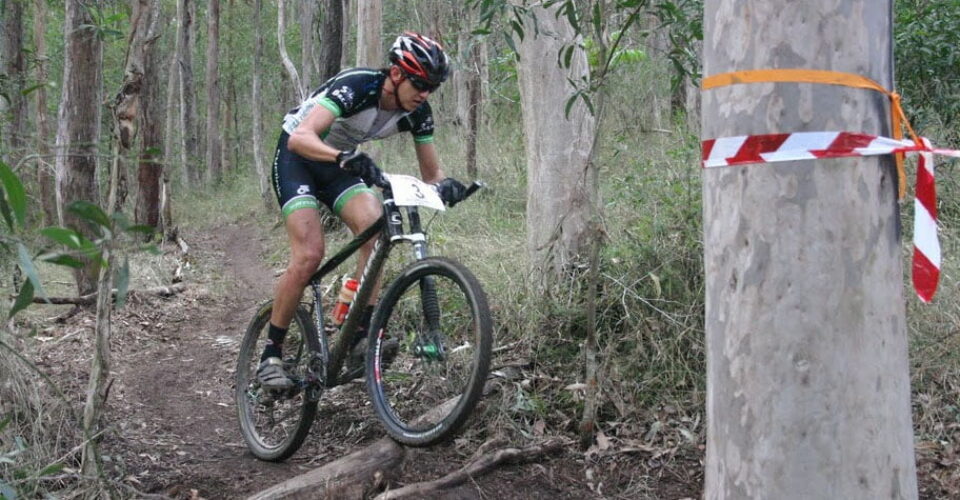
x=317, y=161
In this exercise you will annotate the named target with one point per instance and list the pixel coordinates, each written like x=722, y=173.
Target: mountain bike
x=428, y=342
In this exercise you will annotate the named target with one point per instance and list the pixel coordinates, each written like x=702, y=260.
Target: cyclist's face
x=411, y=96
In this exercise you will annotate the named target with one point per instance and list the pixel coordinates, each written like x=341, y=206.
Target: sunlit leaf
x=64, y=236
x=26, y=264
x=62, y=259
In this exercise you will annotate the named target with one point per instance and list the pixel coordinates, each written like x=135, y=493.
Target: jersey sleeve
x=349, y=92
x=420, y=123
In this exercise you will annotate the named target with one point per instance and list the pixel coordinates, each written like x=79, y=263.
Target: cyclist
x=317, y=161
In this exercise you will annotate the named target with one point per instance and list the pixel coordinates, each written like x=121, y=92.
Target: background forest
x=167, y=112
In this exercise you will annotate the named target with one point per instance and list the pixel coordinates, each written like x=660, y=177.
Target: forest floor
x=173, y=429
x=172, y=425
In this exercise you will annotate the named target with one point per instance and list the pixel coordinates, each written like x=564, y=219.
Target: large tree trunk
x=561, y=180
x=45, y=172
x=347, y=26
x=808, y=387
x=78, y=130
x=150, y=168
x=369, y=31
x=213, y=152
x=308, y=18
x=14, y=67
x=331, y=38
x=190, y=149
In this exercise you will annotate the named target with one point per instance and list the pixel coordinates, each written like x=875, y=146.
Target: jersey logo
x=345, y=95
x=304, y=189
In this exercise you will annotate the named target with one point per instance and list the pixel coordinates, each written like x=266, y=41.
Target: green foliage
x=926, y=38
x=106, y=25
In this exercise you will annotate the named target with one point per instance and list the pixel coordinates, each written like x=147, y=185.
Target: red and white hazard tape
x=771, y=148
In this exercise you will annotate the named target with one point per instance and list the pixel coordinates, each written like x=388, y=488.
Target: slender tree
x=14, y=68
x=45, y=172
x=257, y=138
x=808, y=390
x=78, y=124
x=331, y=38
x=150, y=167
x=190, y=151
x=369, y=31
x=213, y=153
x=292, y=72
x=561, y=179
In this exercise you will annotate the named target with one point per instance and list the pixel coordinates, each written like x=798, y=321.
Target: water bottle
x=347, y=291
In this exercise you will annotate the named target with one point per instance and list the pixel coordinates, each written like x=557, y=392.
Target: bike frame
x=390, y=230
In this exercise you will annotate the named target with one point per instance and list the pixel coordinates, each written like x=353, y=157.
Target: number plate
x=409, y=191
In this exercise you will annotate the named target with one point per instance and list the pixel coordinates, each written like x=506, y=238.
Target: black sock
x=364, y=324
x=274, y=342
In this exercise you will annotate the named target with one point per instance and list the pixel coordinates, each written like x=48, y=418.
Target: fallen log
x=349, y=477
x=91, y=298
x=476, y=467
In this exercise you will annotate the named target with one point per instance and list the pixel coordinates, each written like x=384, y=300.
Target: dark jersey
x=353, y=96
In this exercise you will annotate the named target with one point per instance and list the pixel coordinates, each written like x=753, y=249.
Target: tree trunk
x=78, y=129
x=473, y=110
x=561, y=181
x=257, y=138
x=45, y=171
x=284, y=57
x=14, y=66
x=213, y=153
x=331, y=39
x=150, y=168
x=369, y=31
x=808, y=390
x=345, y=53
x=171, y=131
x=308, y=18
x=190, y=149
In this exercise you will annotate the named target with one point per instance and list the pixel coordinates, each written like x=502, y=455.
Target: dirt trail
x=174, y=428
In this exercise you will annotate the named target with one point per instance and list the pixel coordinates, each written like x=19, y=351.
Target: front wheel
x=274, y=424
x=429, y=351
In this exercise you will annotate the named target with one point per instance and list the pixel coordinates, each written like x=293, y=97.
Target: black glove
x=451, y=191
x=359, y=164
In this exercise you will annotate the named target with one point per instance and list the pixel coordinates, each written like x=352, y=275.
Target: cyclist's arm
x=305, y=139
x=430, y=170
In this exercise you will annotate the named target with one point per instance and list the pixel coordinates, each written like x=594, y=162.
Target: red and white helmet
x=420, y=58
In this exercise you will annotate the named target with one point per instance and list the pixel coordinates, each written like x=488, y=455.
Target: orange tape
x=897, y=117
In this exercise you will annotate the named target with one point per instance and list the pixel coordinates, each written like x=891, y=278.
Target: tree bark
x=78, y=130
x=171, y=132
x=561, y=180
x=150, y=168
x=308, y=18
x=213, y=152
x=284, y=57
x=45, y=169
x=257, y=138
x=474, y=99
x=347, y=26
x=331, y=38
x=14, y=67
x=808, y=390
x=190, y=150
x=369, y=31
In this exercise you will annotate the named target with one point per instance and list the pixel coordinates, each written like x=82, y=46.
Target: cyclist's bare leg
x=359, y=213
x=305, y=232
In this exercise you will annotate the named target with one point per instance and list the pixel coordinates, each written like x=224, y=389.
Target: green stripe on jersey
x=332, y=106
x=299, y=202
x=423, y=139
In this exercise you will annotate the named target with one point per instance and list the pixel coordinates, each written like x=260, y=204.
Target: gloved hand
x=359, y=164
x=451, y=191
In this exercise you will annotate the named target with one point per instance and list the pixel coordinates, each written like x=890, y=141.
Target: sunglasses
x=422, y=85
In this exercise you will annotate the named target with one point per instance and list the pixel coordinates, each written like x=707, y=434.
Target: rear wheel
x=429, y=351
x=275, y=423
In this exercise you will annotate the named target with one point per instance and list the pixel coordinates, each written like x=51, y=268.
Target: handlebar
x=472, y=188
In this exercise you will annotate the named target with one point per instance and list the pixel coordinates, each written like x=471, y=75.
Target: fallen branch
x=480, y=465
x=90, y=298
x=348, y=477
